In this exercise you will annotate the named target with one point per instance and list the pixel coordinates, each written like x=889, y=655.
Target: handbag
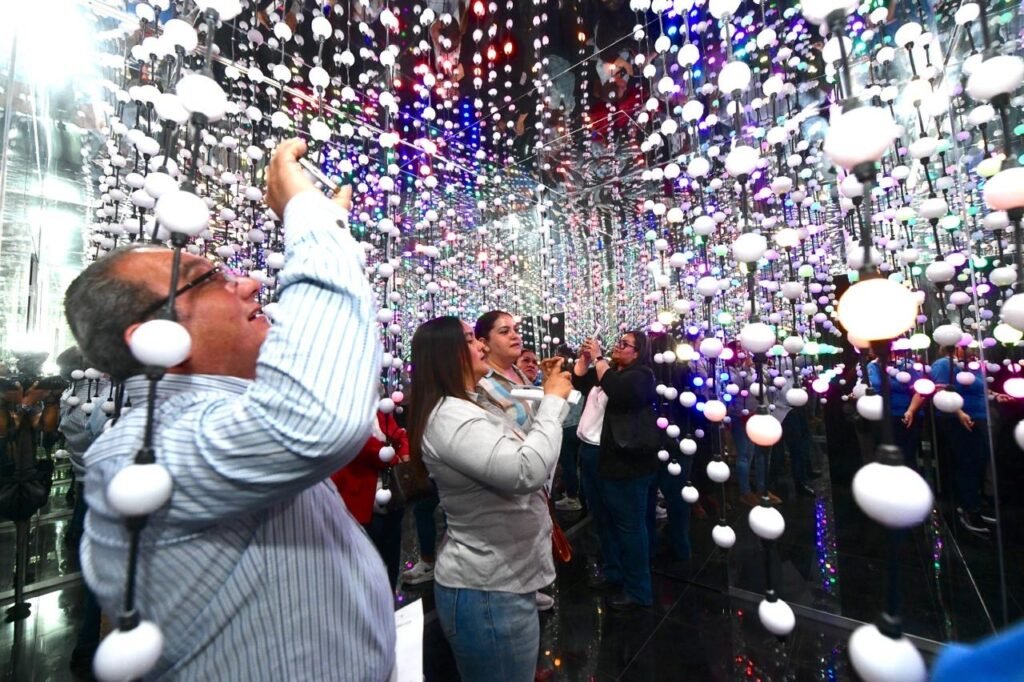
x=561, y=548
x=24, y=491
x=412, y=480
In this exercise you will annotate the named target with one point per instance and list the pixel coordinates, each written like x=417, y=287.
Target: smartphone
x=317, y=176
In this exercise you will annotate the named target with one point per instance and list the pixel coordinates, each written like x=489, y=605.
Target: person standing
x=626, y=466
x=490, y=475
x=254, y=570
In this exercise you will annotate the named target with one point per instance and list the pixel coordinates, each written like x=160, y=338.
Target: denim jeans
x=625, y=543
x=385, y=531
x=589, y=483
x=908, y=440
x=796, y=435
x=567, y=457
x=494, y=635
x=745, y=451
x=678, y=510
x=970, y=456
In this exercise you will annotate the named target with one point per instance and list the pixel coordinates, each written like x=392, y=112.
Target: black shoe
x=972, y=522
x=805, y=490
x=815, y=473
x=623, y=602
x=987, y=515
x=599, y=582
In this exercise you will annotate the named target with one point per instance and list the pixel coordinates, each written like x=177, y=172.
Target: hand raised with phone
x=556, y=381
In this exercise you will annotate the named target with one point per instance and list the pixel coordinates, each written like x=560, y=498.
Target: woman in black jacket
x=627, y=465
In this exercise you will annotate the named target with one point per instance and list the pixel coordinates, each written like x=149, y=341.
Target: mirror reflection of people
x=967, y=431
x=254, y=566
x=528, y=363
x=490, y=475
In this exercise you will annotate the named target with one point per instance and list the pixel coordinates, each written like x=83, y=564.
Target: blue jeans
x=590, y=484
x=908, y=440
x=625, y=543
x=970, y=456
x=494, y=635
x=745, y=451
x=796, y=435
x=678, y=510
x=567, y=457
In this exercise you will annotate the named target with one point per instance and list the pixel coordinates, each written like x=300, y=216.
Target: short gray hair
x=100, y=306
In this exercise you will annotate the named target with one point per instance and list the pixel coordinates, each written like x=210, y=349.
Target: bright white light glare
x=63, y=23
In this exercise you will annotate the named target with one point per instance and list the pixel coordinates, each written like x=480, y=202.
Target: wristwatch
x=600, y=358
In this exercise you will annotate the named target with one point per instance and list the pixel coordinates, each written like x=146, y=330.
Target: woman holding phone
x=490, y=475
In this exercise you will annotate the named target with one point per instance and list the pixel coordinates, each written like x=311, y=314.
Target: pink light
x=727, y=354
x=1014, y=387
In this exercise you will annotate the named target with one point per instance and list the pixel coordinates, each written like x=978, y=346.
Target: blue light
x=698, y=382
x=727, y=398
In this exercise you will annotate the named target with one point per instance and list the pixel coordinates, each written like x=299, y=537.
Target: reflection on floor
x=830, y=558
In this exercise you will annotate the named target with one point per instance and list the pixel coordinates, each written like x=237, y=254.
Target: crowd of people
x=279, y=552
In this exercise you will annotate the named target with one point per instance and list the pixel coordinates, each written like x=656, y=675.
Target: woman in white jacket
x=490, y=476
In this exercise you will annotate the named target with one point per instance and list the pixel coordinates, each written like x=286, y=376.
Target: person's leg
x=678, y=510
x=592, y=491
x=88, y=639
x=385, y=531
x=907, y=439
x=426, y=527
x=588, y=456
x=744, y=451
x=966, y=480
x=626, y=502
x=651, y=518
x=760, y=467
x=797, y=438
x=567, y=458
x=493, y=635
x=972, y=457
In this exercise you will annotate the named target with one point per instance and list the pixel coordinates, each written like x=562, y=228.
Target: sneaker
x=660, y=512
x=421, y=572
x=544, y=602
x=988, y=515
x=972, y=522
x=773, y=498
x=568, y=504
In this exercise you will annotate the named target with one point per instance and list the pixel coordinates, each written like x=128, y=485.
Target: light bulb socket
x=889, y=454
x=889, y=625
x=129, y=620
x=865, y=173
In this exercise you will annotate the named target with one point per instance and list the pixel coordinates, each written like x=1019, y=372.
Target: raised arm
x=309, y=410
x=463, y=437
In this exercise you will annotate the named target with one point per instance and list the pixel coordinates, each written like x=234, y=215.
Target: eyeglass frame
x=622, y=343
x=191, y=284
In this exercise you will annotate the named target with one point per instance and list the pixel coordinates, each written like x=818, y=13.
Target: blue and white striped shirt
x=255, y=570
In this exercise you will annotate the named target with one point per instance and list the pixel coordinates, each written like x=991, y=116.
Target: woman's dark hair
x=485, y=323
x=440, y=362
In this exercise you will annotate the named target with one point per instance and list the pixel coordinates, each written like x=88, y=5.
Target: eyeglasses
x=622, y=343
x=205, y=277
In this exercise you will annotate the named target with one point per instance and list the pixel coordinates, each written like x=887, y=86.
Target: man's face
x=222, y=315
x=528, y=363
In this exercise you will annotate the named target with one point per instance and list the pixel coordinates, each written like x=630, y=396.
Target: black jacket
x=629, y=436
